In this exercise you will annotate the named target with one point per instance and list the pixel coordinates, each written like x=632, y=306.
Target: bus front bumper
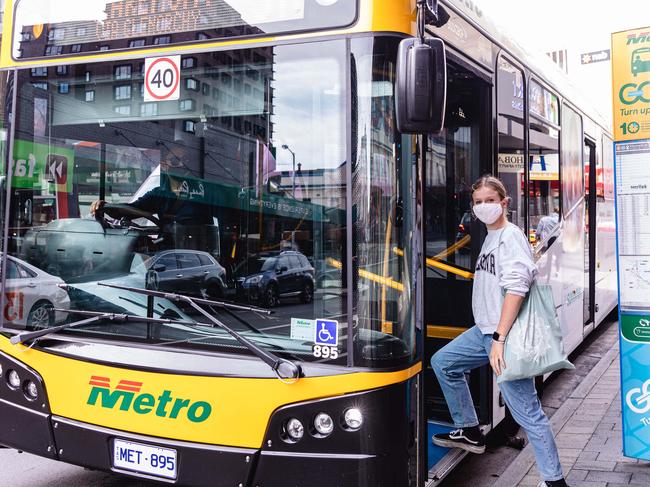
x=91, y=446
x=377, y=454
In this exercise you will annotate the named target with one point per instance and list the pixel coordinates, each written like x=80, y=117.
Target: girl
x=505, y=263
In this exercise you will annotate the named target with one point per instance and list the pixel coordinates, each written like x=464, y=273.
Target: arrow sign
x=57, y=167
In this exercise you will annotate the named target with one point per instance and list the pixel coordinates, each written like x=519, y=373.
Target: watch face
x=495, y=336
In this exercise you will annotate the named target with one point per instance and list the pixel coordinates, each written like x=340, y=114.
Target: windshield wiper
x=285, y=369
x=95, y=317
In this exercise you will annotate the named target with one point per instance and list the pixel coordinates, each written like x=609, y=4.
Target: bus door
x=591, y=193
x=454, y=159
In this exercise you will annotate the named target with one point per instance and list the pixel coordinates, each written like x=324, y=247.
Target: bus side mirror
x=421, y=86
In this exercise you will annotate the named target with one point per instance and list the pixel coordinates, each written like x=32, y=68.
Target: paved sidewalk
x=588, y=435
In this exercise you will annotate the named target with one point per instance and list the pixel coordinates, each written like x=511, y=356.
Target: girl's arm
x=509, y=312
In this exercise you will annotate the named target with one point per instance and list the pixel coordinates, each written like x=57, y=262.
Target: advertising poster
x=631, y=84
x=631, y=110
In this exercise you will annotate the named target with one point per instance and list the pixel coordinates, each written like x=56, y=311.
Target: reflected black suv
x=269, y=277
x=186, y=271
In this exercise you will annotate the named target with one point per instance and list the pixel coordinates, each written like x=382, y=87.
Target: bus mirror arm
x=286, y=370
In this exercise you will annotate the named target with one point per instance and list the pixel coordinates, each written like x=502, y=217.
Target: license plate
x=151, y=460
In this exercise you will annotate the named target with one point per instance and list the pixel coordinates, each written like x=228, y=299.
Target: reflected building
x=320, y=187
x=135, y=23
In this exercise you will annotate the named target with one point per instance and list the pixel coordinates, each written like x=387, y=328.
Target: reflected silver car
x=31, y=294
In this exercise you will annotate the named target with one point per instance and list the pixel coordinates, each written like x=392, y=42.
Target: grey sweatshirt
x=511, y=268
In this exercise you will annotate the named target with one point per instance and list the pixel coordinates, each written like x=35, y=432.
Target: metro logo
x=638, y=38
x=126, y=397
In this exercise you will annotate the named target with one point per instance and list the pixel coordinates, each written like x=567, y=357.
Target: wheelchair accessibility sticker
x=326, y=339
x=327, y=332
x=638, y=398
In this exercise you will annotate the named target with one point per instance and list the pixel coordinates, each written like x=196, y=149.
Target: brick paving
x=589, y=436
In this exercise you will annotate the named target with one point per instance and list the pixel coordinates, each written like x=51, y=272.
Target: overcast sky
x=579, y=26
x=575, y=24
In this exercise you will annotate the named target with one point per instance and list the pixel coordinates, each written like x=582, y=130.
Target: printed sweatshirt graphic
x=510, y=268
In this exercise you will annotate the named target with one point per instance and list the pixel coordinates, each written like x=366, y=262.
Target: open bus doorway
x=454, y=159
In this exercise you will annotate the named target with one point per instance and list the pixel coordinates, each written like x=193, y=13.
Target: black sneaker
x=471, y=440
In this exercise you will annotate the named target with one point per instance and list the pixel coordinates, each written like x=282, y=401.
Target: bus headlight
x=31, y=391
x=323, y=424
x=353, y=419
x=294, y=429
x=14, y=379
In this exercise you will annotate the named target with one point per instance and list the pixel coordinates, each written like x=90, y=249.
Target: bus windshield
x=236, y=191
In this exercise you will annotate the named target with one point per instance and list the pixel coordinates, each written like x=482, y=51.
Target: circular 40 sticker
x=162, y=78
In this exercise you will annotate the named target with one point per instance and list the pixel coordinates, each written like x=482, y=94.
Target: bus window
x=573, y=180
x=543, y=163
x=102, y=24
x=510, y=102
x=383, y=191
x=106, y=194
x=453, y=163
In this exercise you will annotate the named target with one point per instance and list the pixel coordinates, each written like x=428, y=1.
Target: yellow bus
x=223, y=263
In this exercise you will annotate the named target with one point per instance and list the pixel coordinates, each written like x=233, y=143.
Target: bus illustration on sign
x=641, y=60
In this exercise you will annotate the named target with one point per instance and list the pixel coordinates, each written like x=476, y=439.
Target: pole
x=293, y=176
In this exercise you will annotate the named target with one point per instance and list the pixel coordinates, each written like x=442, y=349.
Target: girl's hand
x=497, y=362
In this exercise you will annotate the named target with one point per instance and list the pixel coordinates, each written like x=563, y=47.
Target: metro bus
x=344, y=249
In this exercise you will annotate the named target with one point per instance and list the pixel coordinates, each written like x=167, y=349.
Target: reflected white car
x=30, y=294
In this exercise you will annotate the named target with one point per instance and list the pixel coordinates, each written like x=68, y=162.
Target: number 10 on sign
x=162, y=78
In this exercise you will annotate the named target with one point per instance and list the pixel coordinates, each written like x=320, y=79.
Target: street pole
x=293, y=174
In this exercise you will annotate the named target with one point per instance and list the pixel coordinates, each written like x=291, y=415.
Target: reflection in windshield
x=72, y=27
x=236, y=192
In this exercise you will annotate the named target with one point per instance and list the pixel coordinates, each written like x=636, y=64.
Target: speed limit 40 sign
x=162, y=77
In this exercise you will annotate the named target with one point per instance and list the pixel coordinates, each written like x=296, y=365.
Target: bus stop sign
x=631, y=115
x=162, y=78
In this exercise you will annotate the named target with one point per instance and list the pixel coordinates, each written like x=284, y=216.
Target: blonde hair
x=491, y=182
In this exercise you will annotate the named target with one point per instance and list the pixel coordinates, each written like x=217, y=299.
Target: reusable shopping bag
x=534, y=345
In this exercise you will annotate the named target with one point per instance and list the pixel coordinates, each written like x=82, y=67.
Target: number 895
x=323, y=351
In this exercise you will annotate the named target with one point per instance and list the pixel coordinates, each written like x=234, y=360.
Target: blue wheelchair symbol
x=327, y=332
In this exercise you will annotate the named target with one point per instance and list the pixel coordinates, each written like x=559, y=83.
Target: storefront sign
x=595, y=57
x=544, y=167
x=37, y=165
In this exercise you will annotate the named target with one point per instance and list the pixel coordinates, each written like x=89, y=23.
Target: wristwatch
x=498, y=338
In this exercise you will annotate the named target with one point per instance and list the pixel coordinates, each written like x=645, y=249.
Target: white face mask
x=488, y=213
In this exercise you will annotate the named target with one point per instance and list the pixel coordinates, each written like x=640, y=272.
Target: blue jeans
x=471, y=350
